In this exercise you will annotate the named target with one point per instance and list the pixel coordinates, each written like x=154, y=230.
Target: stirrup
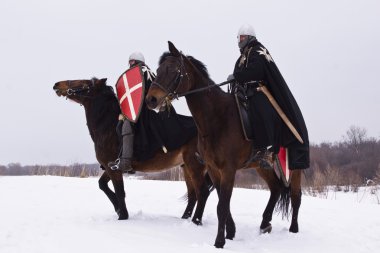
x=261, y=156
x=114, y=165
x=264, y=157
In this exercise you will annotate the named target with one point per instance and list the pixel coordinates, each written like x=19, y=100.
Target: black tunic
x=256, y=64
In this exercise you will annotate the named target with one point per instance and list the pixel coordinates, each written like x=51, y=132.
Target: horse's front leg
x=118, y=184
x=223, y=209
x=295, y=196
x=103, y=185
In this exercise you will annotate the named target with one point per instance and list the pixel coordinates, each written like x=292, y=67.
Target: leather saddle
x=242, y=94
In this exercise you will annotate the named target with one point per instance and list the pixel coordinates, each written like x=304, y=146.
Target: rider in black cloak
x=254, y=66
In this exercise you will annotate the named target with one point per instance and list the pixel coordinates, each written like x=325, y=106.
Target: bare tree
x=355, y=137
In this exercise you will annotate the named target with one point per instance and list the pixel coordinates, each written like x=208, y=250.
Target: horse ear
x=173, y=49
x=99, y=82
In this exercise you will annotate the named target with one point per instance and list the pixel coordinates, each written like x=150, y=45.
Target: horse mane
x=198, y=64
x=104, y=109
x=108, y=90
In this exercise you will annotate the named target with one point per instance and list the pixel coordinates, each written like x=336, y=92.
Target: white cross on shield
x=130, y=92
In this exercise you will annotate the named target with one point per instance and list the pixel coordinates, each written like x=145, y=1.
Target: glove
x=230, y=77
x=121, y=117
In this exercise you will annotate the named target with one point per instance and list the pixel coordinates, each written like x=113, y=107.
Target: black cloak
x=256, y=64
x=154, y=130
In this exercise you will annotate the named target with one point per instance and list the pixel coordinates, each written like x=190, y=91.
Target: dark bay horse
x=221, y=142
x=102, y=110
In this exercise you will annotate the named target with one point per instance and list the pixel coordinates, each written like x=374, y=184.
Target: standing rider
x=256, y=67
x=124, y=161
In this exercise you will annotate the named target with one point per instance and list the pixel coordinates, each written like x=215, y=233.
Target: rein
x=203, y=88
x=177, y=81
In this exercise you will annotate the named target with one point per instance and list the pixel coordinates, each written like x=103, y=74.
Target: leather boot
x=124, y=162
x=264, y=157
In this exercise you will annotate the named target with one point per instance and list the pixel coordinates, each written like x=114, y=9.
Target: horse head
x=80, y=90
x=174, y=77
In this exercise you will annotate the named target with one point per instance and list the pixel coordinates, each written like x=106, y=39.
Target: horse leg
x=275, y=191
x=118, y=184
x=295, y=196
x=230, y=227
x=191, y=197
x=202, y=192
x=103, y=185
x=199, y=180
x=223, y=209
x=196, y=172
x=230, y=224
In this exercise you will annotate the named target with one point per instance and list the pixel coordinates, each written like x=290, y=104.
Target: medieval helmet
x=245, y=35
x=137, y=56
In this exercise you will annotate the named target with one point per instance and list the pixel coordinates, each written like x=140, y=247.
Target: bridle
x=80, y=91
x=171, y=91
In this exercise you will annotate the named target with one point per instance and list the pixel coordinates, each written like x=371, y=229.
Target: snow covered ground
x=57, y=214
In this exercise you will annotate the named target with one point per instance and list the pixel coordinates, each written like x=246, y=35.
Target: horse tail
x=283, y=203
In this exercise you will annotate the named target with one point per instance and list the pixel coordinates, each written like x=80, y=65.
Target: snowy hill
x=57, y=214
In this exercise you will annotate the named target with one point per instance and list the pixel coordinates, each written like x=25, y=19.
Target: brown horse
x=102, y=110
x=221, y=142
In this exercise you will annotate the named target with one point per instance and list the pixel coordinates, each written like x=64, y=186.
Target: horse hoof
x=293, y=229
x=186, y=216
x=265, y=230
x=219, y=245
x=197, y=221
x=230, y=232
x=123, y=217
x=230, y=237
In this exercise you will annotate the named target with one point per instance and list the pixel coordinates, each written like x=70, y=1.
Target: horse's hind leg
x=196, y=173
x=295, y=196
x=118, y=184
x=191, y=196
x=205, y=186
x=202, y=192
x=103, y=185
x=230, y=227
x=275, y=191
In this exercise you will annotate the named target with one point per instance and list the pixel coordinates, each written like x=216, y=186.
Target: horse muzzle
x=151, y=102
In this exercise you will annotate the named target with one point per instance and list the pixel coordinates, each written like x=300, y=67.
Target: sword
x=280, y=112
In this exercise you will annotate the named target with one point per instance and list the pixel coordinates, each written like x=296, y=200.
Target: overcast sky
x=328, y=52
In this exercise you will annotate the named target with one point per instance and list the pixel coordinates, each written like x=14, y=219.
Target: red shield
x=281, y=166
x=130, y=92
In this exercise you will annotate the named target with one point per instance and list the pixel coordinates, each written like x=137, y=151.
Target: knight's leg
x=263, y=118
x=127, y=151
x=124, y=162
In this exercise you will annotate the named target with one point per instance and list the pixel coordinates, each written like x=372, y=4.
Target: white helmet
x=246, y=34
x=246, y=29
x=137, y=56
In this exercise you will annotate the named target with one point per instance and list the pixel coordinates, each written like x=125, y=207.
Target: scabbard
x=280, y=112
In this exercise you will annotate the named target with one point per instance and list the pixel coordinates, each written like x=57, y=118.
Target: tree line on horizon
x=352, y=162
